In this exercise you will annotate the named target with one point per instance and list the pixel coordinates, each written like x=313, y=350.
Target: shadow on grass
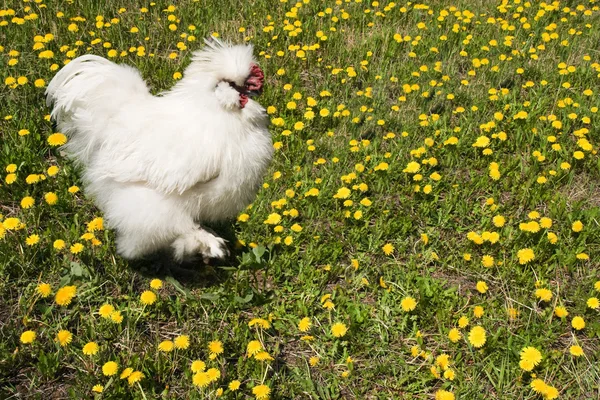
x=196, y=273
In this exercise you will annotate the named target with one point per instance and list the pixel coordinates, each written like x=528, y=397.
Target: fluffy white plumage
x=160, y=166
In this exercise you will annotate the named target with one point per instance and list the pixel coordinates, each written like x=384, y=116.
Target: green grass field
x=429, y=227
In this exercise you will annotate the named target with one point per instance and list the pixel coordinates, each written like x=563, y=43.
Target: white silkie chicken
x=160, y=166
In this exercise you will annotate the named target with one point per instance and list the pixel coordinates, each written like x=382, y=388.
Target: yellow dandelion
x=201, y=379
x=578, y=323
x=530, y=358
x=408, y=304
x=213, y=374
x=339, y=329
x=32, y=240
x=105, y=310
x=198, y=366
x=64, y=295
x=388, y=249
x=525, y=256
x=110, y=368
x=148, y=297
x=304, y=324
x=126, y=372
x=90, y=349
x=263, y=323
x=156, y=284
x=27, y=337
x=477, y=336
x=263, y=356
x=63, y=337
x=261, y=392
x=454, y=335
x=166, y=346
x=215, y=347
x=182, y=342
x=135, y=377
x=57, y=139
x=576, y=351
x=44, y=289
x=253, y=348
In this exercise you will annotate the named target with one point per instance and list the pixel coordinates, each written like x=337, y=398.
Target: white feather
x=158, y=166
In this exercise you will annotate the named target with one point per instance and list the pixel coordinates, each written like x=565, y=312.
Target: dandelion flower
x=478, y=311
x=213, y=374
x=577, y=226
x=116, y=317
x=64, y=295
x=412, y=167
x=126, y=372
x=261, y=392
x=166, y=346
x=148, y=297
x=198, y=366
x=530, y=357
x=538, y=385
x=156, y=284
x=76, y=248
x=90, y=349
x=408, y=304
x=182, y=342
x=253, y=348
x=98, y=388
x=263, y=356
x=454, y=335
x=57, y=139
x=105, y=310
x=561, y=311
x=388, y=249
x=215, y=347
x=234, y=385
x=550, y=393
x=487, y=261
x=481, y=287
x=477, y=336
x=576, y=351
x=110, y=368
x=593, y=303
x=339, y=329
x=578, y=323
x=543, y=294
x=444, y=395
x=32, y=240
x=27, y=337
x=135, y=377
x=51, y=198
x=64, y=337
x=525, y=256
x=201, y=379
x=273, y=219
x=263, y=323
x=44, y=289
x=27, y=202
x=304, y=324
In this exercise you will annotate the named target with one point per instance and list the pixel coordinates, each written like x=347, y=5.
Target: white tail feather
x=86, y=87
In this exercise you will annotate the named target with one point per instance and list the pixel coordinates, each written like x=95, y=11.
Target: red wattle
x=243, y=100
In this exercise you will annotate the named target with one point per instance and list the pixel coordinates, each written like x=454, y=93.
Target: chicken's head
x=227, y=64
x=252, y=84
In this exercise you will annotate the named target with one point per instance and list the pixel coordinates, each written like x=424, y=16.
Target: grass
x=404, y=86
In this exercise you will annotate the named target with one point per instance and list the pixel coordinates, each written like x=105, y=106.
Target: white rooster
x=160, y=166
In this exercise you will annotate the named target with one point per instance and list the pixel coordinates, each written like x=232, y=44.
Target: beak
x=254, y=93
